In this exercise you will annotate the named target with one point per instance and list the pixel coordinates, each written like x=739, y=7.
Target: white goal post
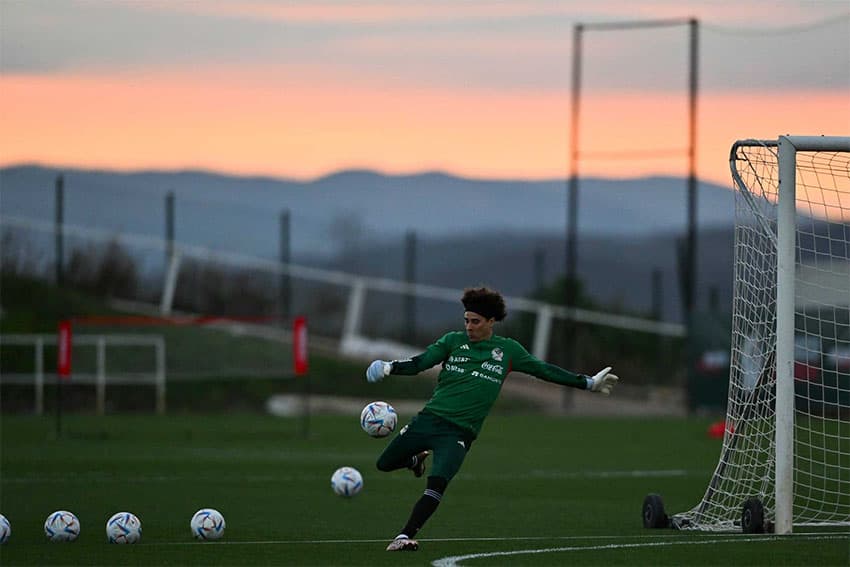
x=785, y=459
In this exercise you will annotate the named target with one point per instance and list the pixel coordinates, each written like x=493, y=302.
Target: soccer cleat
x=403, y=544
x=419, y=468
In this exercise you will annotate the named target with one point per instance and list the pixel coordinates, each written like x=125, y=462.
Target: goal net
x=787, y=440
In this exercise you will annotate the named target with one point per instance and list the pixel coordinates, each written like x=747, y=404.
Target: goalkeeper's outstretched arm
x=602, y=382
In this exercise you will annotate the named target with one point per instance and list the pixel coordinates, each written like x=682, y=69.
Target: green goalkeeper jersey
x=473, y=373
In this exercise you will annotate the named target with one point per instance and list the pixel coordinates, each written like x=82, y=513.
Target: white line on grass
x=694, y=538
x=455, y=560
x=326, y=541
x=355, y=541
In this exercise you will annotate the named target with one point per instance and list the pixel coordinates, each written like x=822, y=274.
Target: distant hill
x=337, y=211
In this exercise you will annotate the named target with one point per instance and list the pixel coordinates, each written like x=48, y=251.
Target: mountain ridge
x=373, y=204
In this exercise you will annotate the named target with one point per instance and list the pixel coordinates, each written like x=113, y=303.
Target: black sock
x=426, y=505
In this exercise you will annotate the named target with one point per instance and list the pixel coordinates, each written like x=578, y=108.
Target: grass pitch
x=533, y=490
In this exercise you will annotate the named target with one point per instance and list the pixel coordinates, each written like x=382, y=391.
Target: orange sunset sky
x=479, y=89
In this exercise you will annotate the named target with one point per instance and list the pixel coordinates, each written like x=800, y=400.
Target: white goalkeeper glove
x=378, y=370
x=602, y=382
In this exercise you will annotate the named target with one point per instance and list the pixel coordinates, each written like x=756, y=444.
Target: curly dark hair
x=484, y=301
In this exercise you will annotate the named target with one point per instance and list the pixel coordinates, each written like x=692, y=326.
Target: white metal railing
x=357, y=285
x=101, y=375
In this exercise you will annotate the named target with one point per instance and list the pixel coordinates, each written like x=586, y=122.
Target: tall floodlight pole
x=693, y=85
x=571, y=279
x=169, y=228
x=410, y=278
x=572, y=191
x=285, y=258
x=59, y=230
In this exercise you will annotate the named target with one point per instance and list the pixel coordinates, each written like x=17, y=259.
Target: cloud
x=512, y=45
x=768, y=13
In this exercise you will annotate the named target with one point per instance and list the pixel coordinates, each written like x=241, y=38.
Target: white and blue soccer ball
x=378, y=419
x=207, y=523
x=347, y=481
x=123, y=527
x=5, y=529
x=62, y=525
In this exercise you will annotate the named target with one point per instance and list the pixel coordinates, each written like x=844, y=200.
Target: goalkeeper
x=474, y=363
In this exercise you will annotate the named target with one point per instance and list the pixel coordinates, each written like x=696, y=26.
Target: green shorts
x=426, y=431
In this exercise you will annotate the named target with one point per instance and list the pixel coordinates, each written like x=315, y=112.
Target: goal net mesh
x=747, y=465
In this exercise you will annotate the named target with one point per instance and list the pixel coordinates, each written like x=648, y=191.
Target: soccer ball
x=378, y=419
x=124, y=527
x=62, y=526
x=5, y=529
x=207, y=524
x=347, y=481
